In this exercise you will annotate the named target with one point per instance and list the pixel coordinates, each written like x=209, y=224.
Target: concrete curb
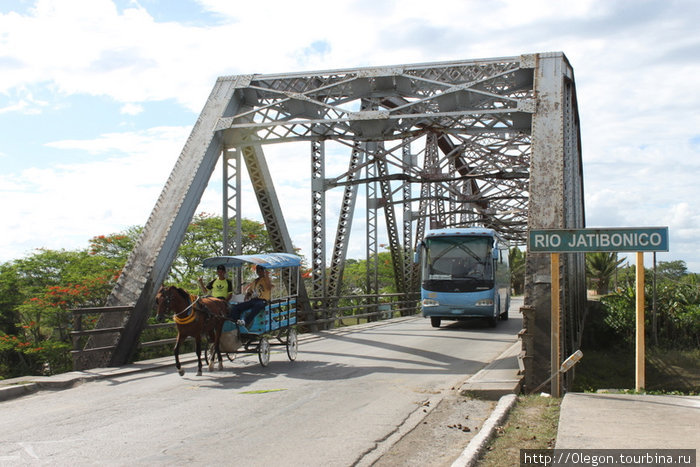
x=17, y=390
x=18, y=387
x=498, y=378
x=476, y=446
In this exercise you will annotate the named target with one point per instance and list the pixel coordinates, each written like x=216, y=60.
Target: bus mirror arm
x=419, y=250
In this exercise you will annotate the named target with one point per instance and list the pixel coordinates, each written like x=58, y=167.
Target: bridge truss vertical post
x=232, y=208
x=556, y=201
x=318, y=227
x=373, y=201
x=409, y=269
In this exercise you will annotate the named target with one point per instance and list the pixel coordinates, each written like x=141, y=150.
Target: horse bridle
x=183, y=312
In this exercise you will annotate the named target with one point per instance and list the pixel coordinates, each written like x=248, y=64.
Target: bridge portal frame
x=491, y=142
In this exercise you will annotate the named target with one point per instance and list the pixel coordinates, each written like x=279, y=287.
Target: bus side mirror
x=416, y=255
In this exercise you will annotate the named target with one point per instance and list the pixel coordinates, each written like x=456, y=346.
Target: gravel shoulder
x=442, y=435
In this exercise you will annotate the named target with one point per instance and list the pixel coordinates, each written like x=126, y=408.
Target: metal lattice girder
x=391, y=225
x=467, y=104
x=342, y=236
x=555, y=201
x=407, y=222
x=318, y=217
x=232, y=201
x=372, y=201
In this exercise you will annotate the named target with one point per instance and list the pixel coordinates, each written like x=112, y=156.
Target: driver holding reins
x=257, y=294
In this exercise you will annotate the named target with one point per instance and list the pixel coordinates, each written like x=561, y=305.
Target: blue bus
x=464, y=274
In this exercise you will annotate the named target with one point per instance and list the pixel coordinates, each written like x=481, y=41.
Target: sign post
x=639, y=374
x=632, y=239
x=555, y=308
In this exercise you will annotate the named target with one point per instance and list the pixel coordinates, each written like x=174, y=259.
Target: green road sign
x=587, y=240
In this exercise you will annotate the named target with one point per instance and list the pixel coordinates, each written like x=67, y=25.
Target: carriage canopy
x=266, y=260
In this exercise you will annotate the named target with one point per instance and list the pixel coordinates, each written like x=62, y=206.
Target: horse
x=204, y=315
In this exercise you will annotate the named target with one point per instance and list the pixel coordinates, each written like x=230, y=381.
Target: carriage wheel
x=292, y=344
x=264, y=351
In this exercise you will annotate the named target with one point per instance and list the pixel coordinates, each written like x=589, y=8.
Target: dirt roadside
x=441, y=436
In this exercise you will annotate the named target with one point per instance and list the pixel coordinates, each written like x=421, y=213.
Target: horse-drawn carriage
x=276, y=320
x=195, y=316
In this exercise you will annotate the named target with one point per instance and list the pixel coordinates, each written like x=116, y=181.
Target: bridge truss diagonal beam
x=155, y=250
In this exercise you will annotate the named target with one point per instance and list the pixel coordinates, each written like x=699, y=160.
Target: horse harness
x=187, y=315
x=190, y=316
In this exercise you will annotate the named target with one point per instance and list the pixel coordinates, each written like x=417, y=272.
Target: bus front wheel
x=434, y=322
x=504, y=315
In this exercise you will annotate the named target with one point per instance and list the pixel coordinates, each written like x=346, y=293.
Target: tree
x=673, y=270
x=204, y=239
x=600, y=268
x=516, y=259
x=10, y=299
x=355, y=275
x=116, y=246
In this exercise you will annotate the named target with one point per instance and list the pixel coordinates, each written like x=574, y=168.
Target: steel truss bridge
x=488, y=142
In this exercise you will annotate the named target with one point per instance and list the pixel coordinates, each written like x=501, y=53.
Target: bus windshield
x=465, y=261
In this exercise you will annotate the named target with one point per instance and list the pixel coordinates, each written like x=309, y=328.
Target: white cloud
x=63, y=205
x=131, y=109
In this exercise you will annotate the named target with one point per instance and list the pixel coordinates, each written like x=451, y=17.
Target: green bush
x=21, y=358
x=674, y=325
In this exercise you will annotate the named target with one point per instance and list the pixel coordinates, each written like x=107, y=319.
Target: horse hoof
x=181, y=371
x=210, y=367
x=199, y=373
x=221, y=366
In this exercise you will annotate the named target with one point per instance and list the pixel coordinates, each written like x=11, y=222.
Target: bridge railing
x=80, y=335
x=346, y=310
x=327, y=312
x=83, y=318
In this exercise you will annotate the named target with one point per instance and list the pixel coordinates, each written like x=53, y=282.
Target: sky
x=98, y=97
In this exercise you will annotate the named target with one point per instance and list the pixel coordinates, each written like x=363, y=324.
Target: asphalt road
x=346, y=392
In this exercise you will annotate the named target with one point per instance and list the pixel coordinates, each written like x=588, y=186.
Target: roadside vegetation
x=531, y=424
x=672, y=325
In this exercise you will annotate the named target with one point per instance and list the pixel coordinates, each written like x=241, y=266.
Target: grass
x=667, y=371
x=531, y=424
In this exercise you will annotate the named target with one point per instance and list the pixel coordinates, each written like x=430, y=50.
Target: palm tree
x=600, y=268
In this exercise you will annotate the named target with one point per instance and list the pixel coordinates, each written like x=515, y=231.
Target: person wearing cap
x=221, y=287
x=257, y=295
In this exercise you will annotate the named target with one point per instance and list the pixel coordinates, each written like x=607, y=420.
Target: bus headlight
x=485, y=302
x=430, y=302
